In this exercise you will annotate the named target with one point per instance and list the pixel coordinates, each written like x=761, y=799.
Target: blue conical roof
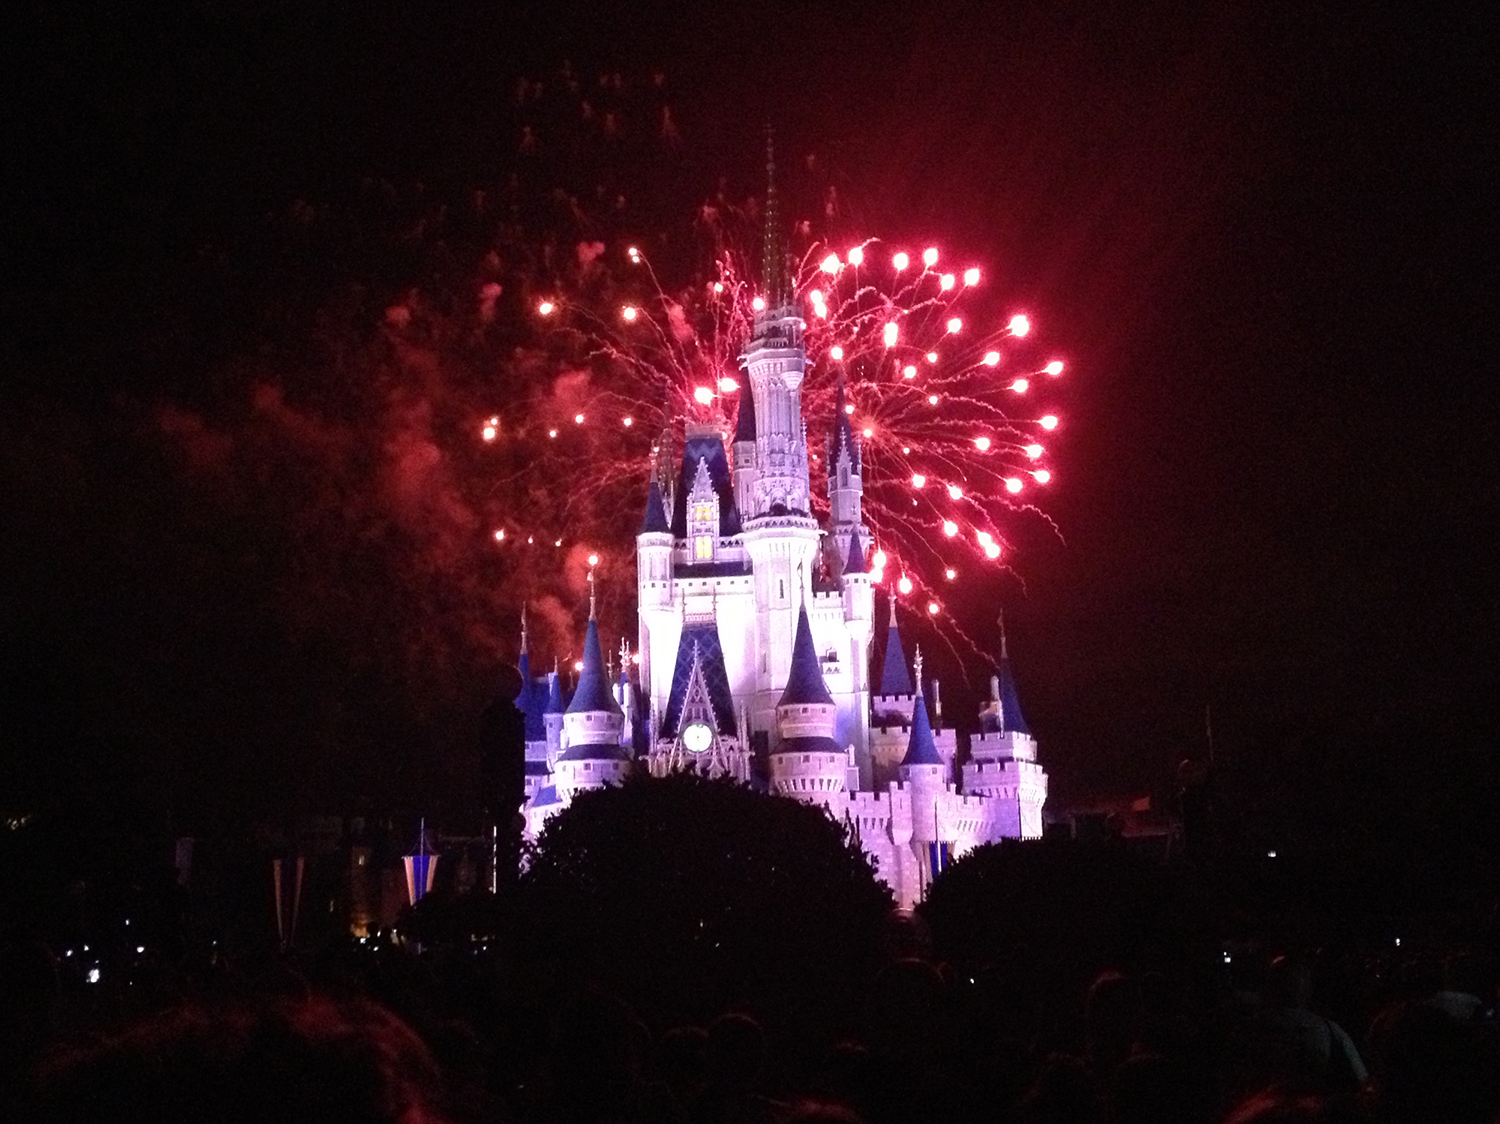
x=1011, y=719
x=530, y=701
x=855, y=563
x=804, y=683
x=554, y=693
x=654, y=521
x=593, y=692
x=744, y=423
x=895, y=676
x=921, y=750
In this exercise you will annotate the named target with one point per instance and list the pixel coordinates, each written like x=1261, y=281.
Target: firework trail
x=953, y=412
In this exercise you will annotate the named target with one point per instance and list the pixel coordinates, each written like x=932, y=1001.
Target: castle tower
x=859, y=622
x=653, y=576
x=845, y=485
x=781, y=536
x=1002, y=764
x=924, y=774
x=745, y=474
x=591, y=756
x=807, y=763
x=776, y=363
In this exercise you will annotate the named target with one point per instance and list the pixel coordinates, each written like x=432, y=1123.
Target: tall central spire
x=773, y=257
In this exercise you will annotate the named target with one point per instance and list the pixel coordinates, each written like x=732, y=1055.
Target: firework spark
x=946, y=407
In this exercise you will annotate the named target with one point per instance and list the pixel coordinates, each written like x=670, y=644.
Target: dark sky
x=1263, y=233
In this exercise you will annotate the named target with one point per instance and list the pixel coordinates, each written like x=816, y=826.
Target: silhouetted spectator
x=308, y=1061
x=1296, y=1047
x=1430, y=1066
x=736, y=1061
x=1062, y=1094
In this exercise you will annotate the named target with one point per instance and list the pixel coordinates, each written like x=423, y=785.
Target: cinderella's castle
x=754, y=652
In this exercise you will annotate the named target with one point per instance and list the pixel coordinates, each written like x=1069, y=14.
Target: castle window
x=703, y=548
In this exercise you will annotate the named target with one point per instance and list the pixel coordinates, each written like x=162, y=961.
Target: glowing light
x=836, y=352
x=900, y=261
x=488, y=433
x=1019, y=325
x=727, y=385
x=704, y=395
x=1053, y=368
x=530, y=539
x=577, y=665
x=558, y=543
x=947, y=281
x=545, y=308
x=630, y=312
x=992, y=550
x=933, y=608
x=955, y=324
x=868, y=432
x=1012, y=484
x=891, y=332
x=593, y=560
x=1049, y=421
x=950, y=573
x=552, y=433
x=932, y=357
x=932, y=399
x=577, y=419
x=1032, y=451
x=635, y=657
x=971, y=276
x=930, y=256
x=500, y=535
x=879, y=560
x=830, y=264
x=759, y=304
x=1020, y=386
x=908, y=372
x=1041, y=476
x=991, y=359
x=918, y=480
x=849, y=408
x=950, y=528
x=982, y=444
x=627, y=422
x=816, y=296
x=635, y=255
x=820, y=311
x=955, y=492
x=718, y=286
x=904, y=585
x=855, y=256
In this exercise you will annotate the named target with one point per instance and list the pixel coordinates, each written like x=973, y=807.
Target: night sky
x=1260, y=234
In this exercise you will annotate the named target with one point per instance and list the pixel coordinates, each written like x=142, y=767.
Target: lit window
x=703, y=547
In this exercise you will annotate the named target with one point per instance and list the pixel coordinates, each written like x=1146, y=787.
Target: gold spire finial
x=524, y=646
x=592, y=600
x=917, y=668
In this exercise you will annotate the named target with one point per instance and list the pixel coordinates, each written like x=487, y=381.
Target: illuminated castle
x=755, y=627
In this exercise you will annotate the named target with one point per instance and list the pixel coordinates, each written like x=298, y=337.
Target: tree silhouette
x=687, y=896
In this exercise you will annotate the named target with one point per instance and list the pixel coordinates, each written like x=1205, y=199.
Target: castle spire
x=804, y=682
x=1010, y=701
x=773, y=256
x=920, y=749
x=895, y=678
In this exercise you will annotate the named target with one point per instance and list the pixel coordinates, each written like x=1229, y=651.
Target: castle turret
x=923, y=770
x=745, y=473
x=807, y=762
x=1002, y=764
x=859, y=623
x=552, y=714
x=592, y=755
x=653, y=574
x=845, y=483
